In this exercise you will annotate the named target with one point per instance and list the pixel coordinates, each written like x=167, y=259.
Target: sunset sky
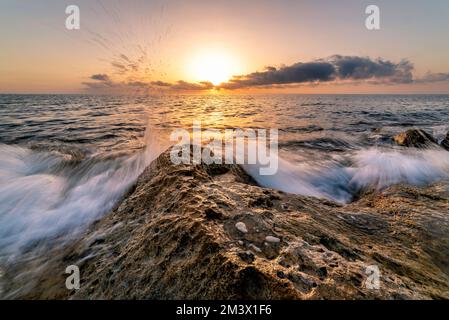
x=198, y=46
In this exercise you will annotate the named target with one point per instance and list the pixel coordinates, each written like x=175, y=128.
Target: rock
x=415, y=138
x=445, y=142
x=158, y=244
x=272, y=239
x=255, y=248
x=241, y=227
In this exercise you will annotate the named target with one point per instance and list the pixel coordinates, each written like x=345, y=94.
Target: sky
x=255, y=46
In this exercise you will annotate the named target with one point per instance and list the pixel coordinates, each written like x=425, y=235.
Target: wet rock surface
x=417, y=138
x=196, y=232
x=445, y=142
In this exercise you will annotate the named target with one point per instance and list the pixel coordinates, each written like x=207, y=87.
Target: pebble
x=257, y=249
x=241, y=227
x=272, y=239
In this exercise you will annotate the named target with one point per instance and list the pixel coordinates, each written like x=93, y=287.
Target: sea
x=66, y=160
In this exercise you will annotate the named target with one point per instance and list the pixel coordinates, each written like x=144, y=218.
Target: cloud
x=325, y=70
x=104, y=83
x=434, y=77
x=160, y=84
x=296, y=73
x=336, y=69
x=362, y=68
x=188, y=86
x=100, y=77
x=98, y=85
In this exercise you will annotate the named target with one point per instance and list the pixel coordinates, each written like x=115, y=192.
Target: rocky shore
x=209, y=232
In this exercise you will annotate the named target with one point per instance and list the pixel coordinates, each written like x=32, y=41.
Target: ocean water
x=67, y=159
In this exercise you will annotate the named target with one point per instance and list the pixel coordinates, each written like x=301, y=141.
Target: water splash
x=44, y=195
x=344, y=177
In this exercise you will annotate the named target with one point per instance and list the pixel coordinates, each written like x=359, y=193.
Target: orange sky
x=168, y=38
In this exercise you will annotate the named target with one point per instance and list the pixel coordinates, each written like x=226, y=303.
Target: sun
x=216, y=67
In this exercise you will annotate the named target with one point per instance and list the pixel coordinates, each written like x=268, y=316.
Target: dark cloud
x=100, y=77
x=297, y=73
x=101, y=82
x=336, y=69
x=325, y=70
x=362, y=68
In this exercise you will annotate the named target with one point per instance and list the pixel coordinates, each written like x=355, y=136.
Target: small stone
x=272, y=239
x=241, y=227
x=240, y=242
x=257, y=249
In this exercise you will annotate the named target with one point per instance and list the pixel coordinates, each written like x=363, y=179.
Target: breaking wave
x=342, y=178
x=55, y=193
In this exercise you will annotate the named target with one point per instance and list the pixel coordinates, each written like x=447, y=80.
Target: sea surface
x=65, y=160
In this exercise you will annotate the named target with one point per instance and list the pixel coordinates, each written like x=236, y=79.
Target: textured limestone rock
x=174, y=237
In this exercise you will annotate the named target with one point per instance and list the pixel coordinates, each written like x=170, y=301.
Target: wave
x=51, y=194
x=344, y=177
x=54, y=193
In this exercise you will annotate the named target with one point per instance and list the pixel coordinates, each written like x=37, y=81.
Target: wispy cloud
x=102, y=82
x=184, y=85
x=434, y=77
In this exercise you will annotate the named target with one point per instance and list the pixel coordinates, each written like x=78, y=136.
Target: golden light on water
x=214, y=66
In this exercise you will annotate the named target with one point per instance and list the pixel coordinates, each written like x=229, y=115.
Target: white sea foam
x=373, y=168
x=37, y=203
x=379, y=169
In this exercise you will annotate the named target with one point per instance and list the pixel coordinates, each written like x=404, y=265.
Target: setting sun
x=216, y=67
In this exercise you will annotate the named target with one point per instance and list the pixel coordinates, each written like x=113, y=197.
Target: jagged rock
x=159, y=244
x=445, y=142
x=415, y=138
